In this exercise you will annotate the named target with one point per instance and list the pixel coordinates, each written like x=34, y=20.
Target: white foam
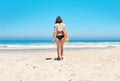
x=26, y=46
x=67, y=45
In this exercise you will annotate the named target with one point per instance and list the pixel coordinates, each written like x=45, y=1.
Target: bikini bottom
x=60, y=36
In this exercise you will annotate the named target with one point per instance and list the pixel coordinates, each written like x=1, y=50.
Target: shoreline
x=67, y=46
x=50, y=49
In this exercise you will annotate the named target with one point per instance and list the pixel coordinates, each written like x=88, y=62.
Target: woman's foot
x=59, y=58
x=62, y=57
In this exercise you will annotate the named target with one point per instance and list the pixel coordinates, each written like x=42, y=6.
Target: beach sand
x=77, y=65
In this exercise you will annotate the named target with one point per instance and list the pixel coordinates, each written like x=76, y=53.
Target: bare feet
x=59, y=58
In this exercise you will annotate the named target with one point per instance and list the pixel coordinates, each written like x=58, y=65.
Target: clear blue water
x=23, y=41
x=49, y=41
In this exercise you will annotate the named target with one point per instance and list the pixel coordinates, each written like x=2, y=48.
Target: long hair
x=58, y=20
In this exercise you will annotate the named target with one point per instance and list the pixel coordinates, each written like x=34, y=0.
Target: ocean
x=47, y=44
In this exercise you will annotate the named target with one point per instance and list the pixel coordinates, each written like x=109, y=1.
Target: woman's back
x=59, y=26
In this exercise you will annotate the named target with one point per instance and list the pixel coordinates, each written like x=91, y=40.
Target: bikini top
x=59, y=26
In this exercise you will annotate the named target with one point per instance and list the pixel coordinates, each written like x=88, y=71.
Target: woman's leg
x=58, y=48
x=62, y=44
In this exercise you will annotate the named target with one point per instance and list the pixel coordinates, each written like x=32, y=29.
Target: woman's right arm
x=54, y=34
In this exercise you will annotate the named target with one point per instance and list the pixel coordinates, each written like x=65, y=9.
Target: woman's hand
x=52, y=40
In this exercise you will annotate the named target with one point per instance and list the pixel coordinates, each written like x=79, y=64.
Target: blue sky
x=34, y=19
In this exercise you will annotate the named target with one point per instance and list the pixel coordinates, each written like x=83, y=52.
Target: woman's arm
x=66, y=35
x=54, y=34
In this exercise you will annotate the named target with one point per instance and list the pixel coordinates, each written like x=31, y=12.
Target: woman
x=61, y=36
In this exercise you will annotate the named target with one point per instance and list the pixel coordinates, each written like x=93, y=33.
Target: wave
x=66, y=45
x=26, y=46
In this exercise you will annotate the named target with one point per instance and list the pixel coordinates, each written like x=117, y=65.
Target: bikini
x=60, y=36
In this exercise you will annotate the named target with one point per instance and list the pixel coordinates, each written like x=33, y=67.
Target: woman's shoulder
x=56, y=24
x=61, y=24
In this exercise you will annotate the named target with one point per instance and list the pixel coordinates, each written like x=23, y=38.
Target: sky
x=84, y=19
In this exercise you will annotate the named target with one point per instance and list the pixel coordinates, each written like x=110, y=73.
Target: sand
x=78, y=65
